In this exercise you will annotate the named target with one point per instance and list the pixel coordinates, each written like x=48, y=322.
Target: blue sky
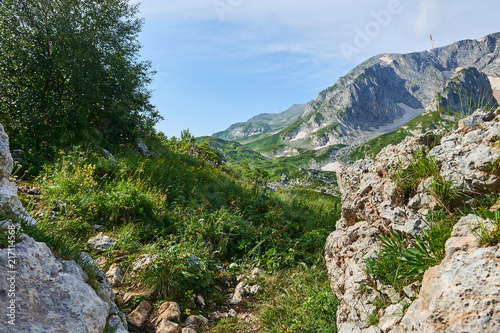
x=223, y=61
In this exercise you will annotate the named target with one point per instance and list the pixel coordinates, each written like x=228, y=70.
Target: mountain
x=380, y=96
x=262, y=123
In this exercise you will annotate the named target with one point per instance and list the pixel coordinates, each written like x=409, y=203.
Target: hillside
x=262, y=123
x=162, y=238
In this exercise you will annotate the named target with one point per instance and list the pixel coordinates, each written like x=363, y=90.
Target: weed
x=400, y=263
x=300, y=301
x=485, y=236
x=373, y=318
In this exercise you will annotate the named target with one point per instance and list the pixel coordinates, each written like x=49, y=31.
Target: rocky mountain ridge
x=262, y=123
x=382, y=94
x=391, y=89
x=458, y=295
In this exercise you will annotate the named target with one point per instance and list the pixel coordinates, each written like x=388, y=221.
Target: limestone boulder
x=461, y=294
x=48, y=297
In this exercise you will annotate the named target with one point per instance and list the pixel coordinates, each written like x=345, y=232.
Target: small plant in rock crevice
x=400, y=262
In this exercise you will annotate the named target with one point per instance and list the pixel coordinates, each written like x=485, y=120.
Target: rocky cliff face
x=40, y=292
x=458, y=295
x=388, y=90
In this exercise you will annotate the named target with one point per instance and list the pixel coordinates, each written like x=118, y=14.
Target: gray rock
x=50, y=295
x=460, y=294
x=200, y=300
x=188, y=330
x=143, y=261
x=393, y=315
x=101, y=242
x=196, y=321
x=116, y=325
x=143, y=148
x=255, y=289
x=169, y=311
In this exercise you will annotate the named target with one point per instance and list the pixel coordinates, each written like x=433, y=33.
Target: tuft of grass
x=299, y=301
x=419, y=167
x=487, y=237
x=399, y=262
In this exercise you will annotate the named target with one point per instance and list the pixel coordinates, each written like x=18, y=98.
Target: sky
x=219, y=62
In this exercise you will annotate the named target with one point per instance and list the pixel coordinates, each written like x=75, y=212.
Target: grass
x=400, y=262
x=299, y=301
x=192, y=215
x=411, y=171
x=371, y=148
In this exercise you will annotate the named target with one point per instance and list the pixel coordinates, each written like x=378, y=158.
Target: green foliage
x=300, y=301
x=488, y=236
x=178, y=269
x=70, y=73
x=421, y=166
x=399, y=263
x=191, y=214
x=371, y=148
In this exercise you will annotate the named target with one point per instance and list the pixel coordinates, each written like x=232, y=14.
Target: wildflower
x=201, y=220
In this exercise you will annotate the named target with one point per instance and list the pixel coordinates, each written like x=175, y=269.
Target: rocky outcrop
x=10, y=206
x=461, y=294
x=388, y=90
x=451, y=298
x=44, y=292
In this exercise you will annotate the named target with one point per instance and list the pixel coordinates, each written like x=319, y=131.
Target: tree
x=70, y=72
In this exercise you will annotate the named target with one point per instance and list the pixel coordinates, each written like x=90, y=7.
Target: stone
x=115, y=274
x=116, y=325
x=50, y=295
x=232, y=313
x=143, y=148
x=460, y=294
x=255, y=289
x=143, y=261
x=127, y=297
x=140, y=315
x=6, y=162
x=371, y=207
x=200, y=300
x=239, y=292
x=198, y=321
x=166, y=326
x=101, y=242
x=98, y=228
x=169, y=311
x=393, y=314
x=233, y=266
x=188, y=330
x=10, y=206
x=108, y=155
